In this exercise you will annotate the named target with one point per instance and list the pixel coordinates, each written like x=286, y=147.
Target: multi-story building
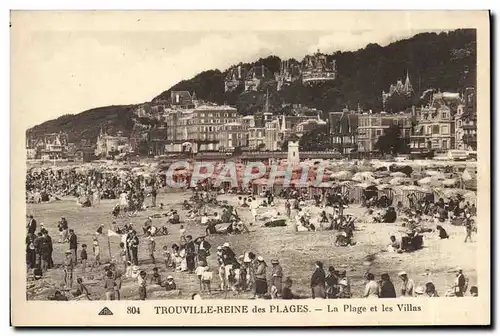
x=272, y=130
x=232, y=135
x=372, y=126
x=466, y=122
x=207, y=121
x=49, y=146
x=343, y=127
x=256, y=137
x=107, y=144
x=199, y=125
x=317, y=69
x=435, y=129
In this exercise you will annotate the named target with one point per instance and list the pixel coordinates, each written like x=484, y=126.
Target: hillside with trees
x=444, y=61
x=87, y=125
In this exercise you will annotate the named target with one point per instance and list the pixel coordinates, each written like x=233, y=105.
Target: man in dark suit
x=73, y=244
x=190, y=253
x=31, y=225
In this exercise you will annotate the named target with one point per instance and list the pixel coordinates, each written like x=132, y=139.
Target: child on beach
x=123, y=257
x=182, y=234
x=206, y=278
x=167, y=257
x=141, y=280
x=199, y=272
x=68, y=269
x=97, y=252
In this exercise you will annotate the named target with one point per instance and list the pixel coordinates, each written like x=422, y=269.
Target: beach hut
x=401, y=194
x=362, y=191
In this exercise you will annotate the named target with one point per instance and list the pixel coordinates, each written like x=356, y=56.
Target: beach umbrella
x=450, y=182
x=363, y=177
x=341, y=175
x=427, y=181
x=398, y=174
x=400, y=180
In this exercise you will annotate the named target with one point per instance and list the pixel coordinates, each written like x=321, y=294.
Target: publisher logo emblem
x=105, y=311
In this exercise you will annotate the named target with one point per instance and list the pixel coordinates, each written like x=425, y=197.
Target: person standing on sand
x=277, y=276
x=84, y=257
x=151, y=247
x=331, y=281
x=31, y=225
x=203, y=248
x=141, y=281
x=318, y=281
x=73, y=244
x=154, y=192
x=68, y=269
x=461, y=283
x=288, y=208
x=133, y=244
x=468, y=228
x=190, y=254
x=260, y=278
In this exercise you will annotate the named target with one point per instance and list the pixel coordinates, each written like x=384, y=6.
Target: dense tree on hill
x=392, y=142
x=315, y=140
x=88, y=124
x=398, y=102
x=444, y=61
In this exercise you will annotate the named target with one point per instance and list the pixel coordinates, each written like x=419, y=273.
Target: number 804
x=133, y=310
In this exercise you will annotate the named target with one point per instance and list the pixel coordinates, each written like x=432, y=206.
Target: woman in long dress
x=181, y=260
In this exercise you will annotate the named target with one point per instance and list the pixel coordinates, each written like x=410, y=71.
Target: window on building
x=445, y=144
x=445, y=129
x=429, y=130
x=435, y=129
x=445, y=115
x=459, y=123
x=379, y=132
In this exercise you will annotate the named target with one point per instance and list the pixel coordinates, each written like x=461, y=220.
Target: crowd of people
x=236, y=272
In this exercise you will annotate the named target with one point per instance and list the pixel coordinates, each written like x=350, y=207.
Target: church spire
x=408, y=86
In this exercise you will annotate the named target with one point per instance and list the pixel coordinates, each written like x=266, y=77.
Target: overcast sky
x=69, y=71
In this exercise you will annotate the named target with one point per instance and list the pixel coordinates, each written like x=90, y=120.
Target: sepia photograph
x=177, y=164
